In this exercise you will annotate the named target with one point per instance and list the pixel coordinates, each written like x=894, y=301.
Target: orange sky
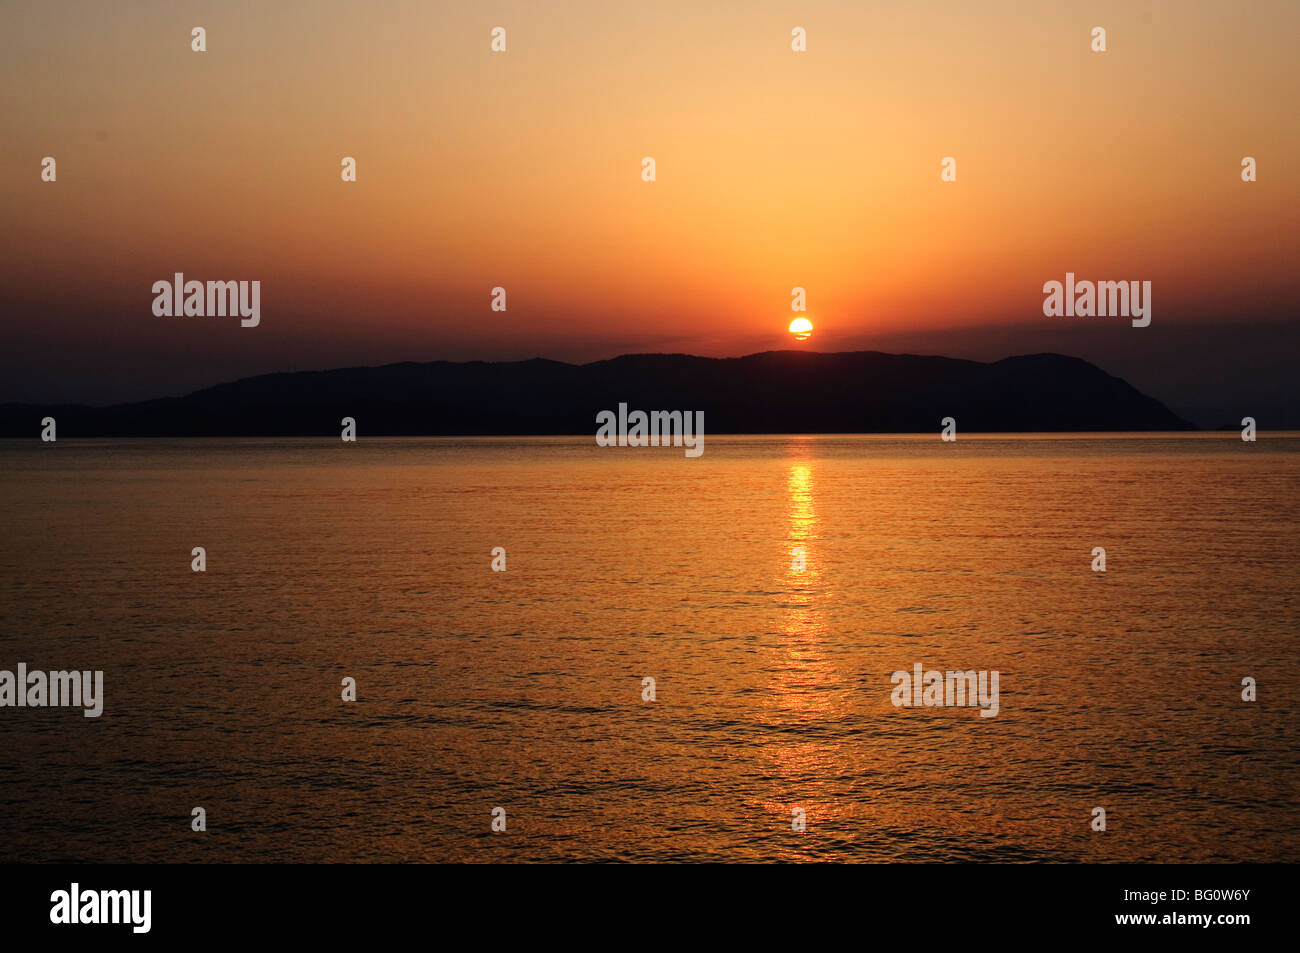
x=522, y=169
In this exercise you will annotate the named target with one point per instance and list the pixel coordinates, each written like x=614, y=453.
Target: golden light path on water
x=807, y=696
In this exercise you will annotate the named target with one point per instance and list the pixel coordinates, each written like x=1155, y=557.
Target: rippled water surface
x=523, y=689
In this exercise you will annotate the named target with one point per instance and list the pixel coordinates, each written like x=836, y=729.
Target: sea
x=564, y=652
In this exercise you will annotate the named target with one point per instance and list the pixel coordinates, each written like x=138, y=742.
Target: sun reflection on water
x=807, y=697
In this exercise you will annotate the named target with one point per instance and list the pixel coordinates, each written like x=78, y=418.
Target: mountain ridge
x=781, y=391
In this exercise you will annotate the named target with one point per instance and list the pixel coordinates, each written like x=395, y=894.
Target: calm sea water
x=523, y=689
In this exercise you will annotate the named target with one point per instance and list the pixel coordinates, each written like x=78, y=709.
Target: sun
x=801, y=328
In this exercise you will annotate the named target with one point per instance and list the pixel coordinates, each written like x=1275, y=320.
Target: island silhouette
x=769, y=392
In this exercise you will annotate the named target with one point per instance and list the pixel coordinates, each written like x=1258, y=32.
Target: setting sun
x=801, y=328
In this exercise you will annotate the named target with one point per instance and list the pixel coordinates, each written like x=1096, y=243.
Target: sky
x=522, y=169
